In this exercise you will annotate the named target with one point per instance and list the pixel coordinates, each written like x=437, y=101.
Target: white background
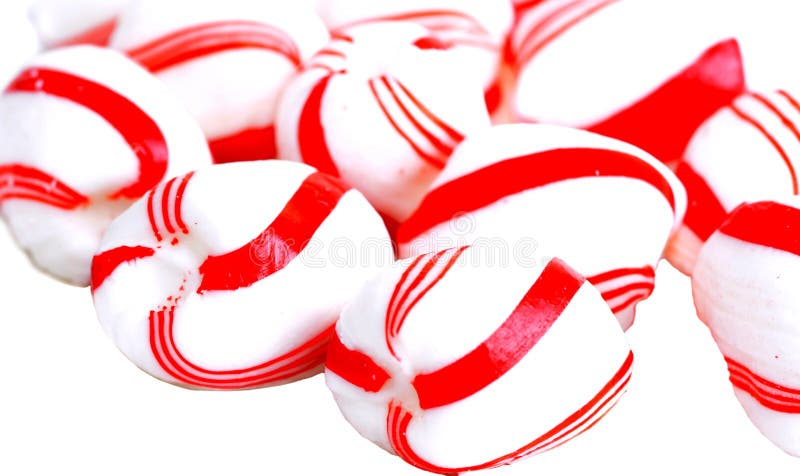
x=70, y=403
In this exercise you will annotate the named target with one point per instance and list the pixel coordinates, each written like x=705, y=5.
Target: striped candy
x=232, y=277
x=381, y=108
x=424, y=365
x=62, y=23
x=573, y=62
x=747, y=151
x=745, y=289
x=604, y=205
x=475, y=28
x=227, y=62
x=74, y=180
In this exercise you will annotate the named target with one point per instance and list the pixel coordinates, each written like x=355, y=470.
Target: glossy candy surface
x=604, y=205
x=745, y=289
x=61, y=184
x=227, y=62
x=232, y=277
x=381, y=108
x=747, y=151
x=618, y=68
x=428, y=368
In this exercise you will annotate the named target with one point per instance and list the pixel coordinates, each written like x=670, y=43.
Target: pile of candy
x=470, y=196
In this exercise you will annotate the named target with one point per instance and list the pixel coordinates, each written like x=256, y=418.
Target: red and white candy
x=232, y=277
x=84, y=131
x=382, y=108
x=620, y=68
x=73, y=22
x=604, y=205
x=745, y=289
x=747, y=151
x=457, y=364
x=477, y=29
x=227, y=62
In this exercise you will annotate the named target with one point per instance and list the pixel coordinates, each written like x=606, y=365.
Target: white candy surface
x=476, y=28
x=232, y=277
x=426, y=366
x=380, y=112
x=619, y=68
x=15, y=29
x=84, y=131
x=602, y=204
x=747, y=151
x=745, y=289
x=227, y=62
x=65, y=22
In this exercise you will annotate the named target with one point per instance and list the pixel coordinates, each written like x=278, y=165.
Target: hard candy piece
x=84, y=131
x=605, y=206
x=745, y=289
x=455, y=363
x=232, y=277
x=747, y=151
x=476, y=28
x=74, y=22
x=619, y=69
x=381, y=108
x=227, y=62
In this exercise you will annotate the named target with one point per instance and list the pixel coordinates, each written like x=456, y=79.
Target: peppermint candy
x=61, y=185
x=227, y=63
x=381, y=108
x=604, y=205
x=425, y=365
x=745, y=290
x=232, y=277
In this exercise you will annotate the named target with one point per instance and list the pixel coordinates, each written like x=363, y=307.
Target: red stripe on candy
x=769, y=394
x=630, y=285
x=645, y=271
x=499, y=180
x=681, y=104
x=767, y=135
x=399, y=307
x=635, y=298
x=704, y=212
x=97, y=35
x=434, y=20
x=355, y=367
x=790, y=99
x=278, y=244
x=171, y=199
x=534, y=315
x=399, y=420
x=311, y=132
x=399, y=294
x=532, y=45
x=408, y=119
x=209, y=38
x=136, y=127
x=448, y=131
x=165, y=205
x=646, y=287
x=443, y=148
x=22, y=182
x=433, y=160
x=107, y=262
x=493, y=96
x=179, y=202
x=250, y=144
x=302, y=359
x=769, y=224
x=151, y=215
